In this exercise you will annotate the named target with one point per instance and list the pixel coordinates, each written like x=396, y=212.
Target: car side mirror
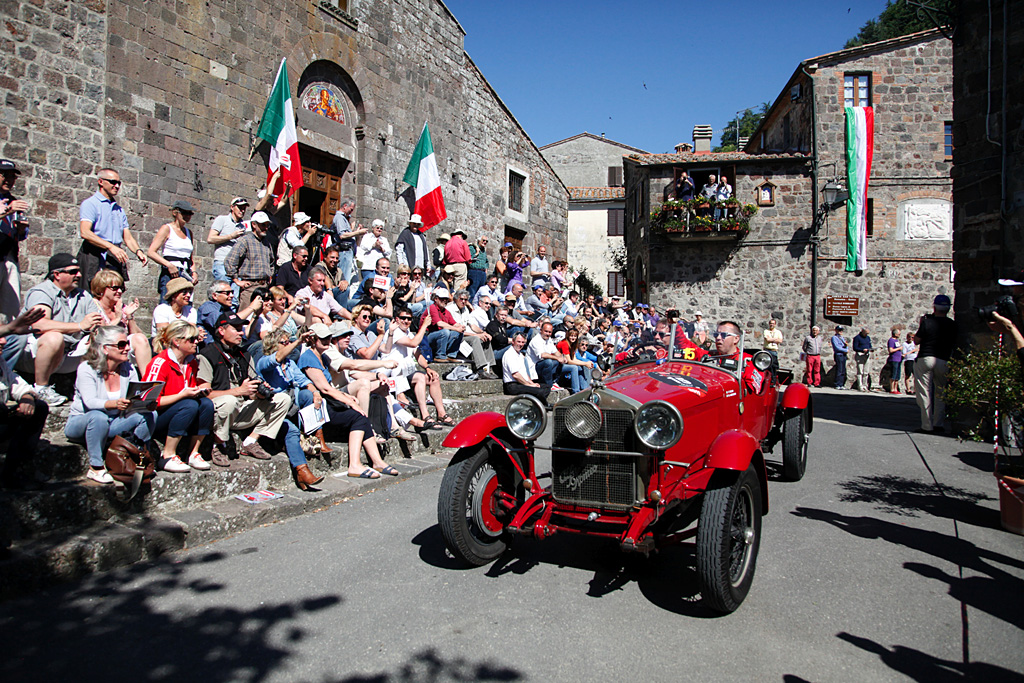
x=762, y=360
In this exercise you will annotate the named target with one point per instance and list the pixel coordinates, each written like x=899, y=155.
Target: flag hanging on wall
x=860, y=143
x=422, y=174
x=278, y=128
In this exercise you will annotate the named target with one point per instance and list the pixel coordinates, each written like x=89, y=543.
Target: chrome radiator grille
x=600, y=480
x=616, y=433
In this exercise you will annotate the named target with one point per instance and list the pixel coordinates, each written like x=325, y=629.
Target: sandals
x=447, y=421
x=368, y=473
x=430, y=424
x=388, y=470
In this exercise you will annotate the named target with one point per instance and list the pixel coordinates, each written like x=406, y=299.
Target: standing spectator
x=685, y=189
x=772, y=338
x=249, y=264
x=437, y=255
x=723, y=192
x=812, y=356
x=23, y=413
x=172, y=248
x=700, y=330
x=372, y=247
x=501, y=265
x=936, y=336
x=13, y=231
x=411, y=245
x=272, y=206
x=543, y=361
x=514, y=272
x=540, y=271
x=895, y=348
x=101, y=390
x=107, y=289
x=862, y=349
x=910, y=349
x=840, y=350
x=221, y=302
x=710, y=190
x=103, y=226
x=477, y=265
x=1003, y=325
x=515, y=378
x=183, y=408
x=558, y=275
x=444, y=333
x=296, y=235
x=345, y=238
x=224, y=232
x=456, y=255
x=69, y=313
x=293, y=275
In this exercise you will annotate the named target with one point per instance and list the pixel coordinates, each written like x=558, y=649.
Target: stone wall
x=583, y=160
x=170, y=93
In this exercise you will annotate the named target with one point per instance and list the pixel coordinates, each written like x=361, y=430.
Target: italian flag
x=278, y=128
x=860, y=144
x=422, y=174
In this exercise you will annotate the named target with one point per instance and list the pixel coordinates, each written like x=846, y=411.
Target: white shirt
x=325, y=302
x=478, y=317
x=724, y=191
x=462, y=317
x=512, y=364
x=539, y=265
x=534, y=349
x=367, y=254
x=226, y=225
x=165, y=314
x=493, y=294
x=291, y=239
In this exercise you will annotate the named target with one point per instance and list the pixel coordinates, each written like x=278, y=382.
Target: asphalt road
x=885, y=563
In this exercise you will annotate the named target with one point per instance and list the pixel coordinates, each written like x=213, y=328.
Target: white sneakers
x=47, y=393
x=173, y=464
x=197, y=461
x=100, y=476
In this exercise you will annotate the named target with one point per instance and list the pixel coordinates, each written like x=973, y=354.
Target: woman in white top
x=372, y=247
x=178, y=307
x=172, y=248
x=910, y=350
x=295, y=235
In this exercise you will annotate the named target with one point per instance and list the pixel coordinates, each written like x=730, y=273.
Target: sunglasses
x=723, y=335
x=404, y=317
x=365, y=317
x=115, y=183
x=70, y=271
x=226, y=291
x=191, y=340
x=116, y=288
x=121, y=345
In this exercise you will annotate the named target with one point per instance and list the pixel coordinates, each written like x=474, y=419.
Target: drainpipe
x=814, y=202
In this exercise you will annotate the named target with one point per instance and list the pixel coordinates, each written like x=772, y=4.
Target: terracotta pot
x=1011, y=503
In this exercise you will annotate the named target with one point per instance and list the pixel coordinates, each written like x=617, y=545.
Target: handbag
x=129, y=464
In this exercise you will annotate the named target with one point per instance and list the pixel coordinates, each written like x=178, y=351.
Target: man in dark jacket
x=411, y=245
x=936, y=335
x=862, y=349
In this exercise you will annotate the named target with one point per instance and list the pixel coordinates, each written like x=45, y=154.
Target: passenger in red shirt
x=182, y=407
x=456, y=254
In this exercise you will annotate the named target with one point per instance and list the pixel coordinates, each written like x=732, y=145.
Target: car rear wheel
x=728, y=538
x=468, y=513
x=794, y=446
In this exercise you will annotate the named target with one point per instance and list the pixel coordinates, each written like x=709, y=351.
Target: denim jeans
x=444, y=343
x=94, y=428
x=576, y=376
x=498, y=354
x=477, y=278
x=548, y=371
x=292, y=445
x=189, y=416
x=840, y=359
x=347, y=264
x=219, y=274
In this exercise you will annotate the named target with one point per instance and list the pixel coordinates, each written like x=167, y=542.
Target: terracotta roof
x=691, y=158
x=602, y=138
x=596, y=193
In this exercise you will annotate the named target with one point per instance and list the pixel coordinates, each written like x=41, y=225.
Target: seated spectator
x=403, y=345
x=101, y=390
x=490, y=289
x=182, y=407
x=296, y=235
x=515, y=378
x=378, y=300
x=403, y=293
x=178, y=307
x=224, y=364
x=537, y=304
x=321, y=302
x=69, y=313
x=383, y=269
x=368, y=336
x=293, y=275
x=108, y=289
x=419, y=300
x=576, y=370
x=343, y=410
x=518, y=323
x=444, y=335
x=336, y=281
x=279, y=313
x=221, y=302
x=570, y=307
x=447, y=278
x=473, y=334
x=22, y=412
x=500, y=333
x=543, y=361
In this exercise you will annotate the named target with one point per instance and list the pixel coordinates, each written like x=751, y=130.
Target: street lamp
x=834, y=193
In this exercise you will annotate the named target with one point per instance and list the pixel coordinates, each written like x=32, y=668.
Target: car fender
x=797, y=396
x=732, y=450
x=474, y=429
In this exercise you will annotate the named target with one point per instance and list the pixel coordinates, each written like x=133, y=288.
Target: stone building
x=170, y=95
x=988, y=154
x=591, y=166
x=794, y=256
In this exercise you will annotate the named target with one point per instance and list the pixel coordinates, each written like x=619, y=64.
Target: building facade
x=591, y=166
x=170, y=95
x=794, y=255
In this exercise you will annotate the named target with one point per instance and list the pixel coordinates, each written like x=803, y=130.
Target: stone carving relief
x=925, y=219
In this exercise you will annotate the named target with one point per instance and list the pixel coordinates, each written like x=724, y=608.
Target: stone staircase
x=72, y=526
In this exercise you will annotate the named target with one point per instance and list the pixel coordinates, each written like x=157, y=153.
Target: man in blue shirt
x=839, y=352
x=862, y=355
x=104, y=229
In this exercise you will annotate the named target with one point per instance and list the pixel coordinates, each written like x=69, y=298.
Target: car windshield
x=681, y=347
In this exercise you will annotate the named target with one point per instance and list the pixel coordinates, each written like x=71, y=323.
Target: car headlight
x=525, y=416
x=583, y=420
x=658, y=425
x=762, y=360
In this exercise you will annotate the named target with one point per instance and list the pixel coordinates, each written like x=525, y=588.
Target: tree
x=749, y=120
x=900, y=18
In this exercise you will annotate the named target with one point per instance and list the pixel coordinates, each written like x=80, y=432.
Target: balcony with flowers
x=702, y=219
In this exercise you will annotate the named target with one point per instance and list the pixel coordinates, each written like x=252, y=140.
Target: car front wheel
x=728, y=537
x=468, y=510
x=794, y=446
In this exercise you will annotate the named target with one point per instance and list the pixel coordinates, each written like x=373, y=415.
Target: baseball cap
x=260, y=217
x=942, y=300
x=61, y=261
x=182, y=205
x=340, y=328
x=1016, y=280
x=6, y=166
x=559, y=336
x=538, y=286
x=510, y=297
x=839, y=328
x=240, y=201
x=442, y=292
x=299, y=218
x=320, y=330
x=230, y=319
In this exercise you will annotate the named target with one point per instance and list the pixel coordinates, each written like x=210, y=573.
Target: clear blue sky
x=564, y=67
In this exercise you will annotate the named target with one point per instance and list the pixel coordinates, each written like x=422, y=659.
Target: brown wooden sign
x=842, y=306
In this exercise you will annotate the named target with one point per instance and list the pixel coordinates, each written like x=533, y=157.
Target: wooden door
x=320, y=196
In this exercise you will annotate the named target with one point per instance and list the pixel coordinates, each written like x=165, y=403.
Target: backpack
x=378, y=415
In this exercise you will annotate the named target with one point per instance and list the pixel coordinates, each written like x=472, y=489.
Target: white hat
x=376, y=222
x=441, y=292
x=698, y=313
x=415, y=219
x=299, y=218
x=260, y=217
x=320, y=330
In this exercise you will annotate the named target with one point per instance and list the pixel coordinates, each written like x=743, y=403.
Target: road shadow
x=921, y=666
x=979, y=460
x=912, y=498
x=997, y=592
x=113, y=627
x=428, y=666
x=872, y=410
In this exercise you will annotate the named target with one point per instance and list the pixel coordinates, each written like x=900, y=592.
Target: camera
x=264, y=390
x=1004, y=306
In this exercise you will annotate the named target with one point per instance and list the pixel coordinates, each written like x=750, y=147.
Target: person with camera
x=1001, y=314
x=241, y=400
x=296, y=235
x=936, y=336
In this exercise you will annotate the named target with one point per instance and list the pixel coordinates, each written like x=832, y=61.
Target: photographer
x=1000, y=316
x=936, y=336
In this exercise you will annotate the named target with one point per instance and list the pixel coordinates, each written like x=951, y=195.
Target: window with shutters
x=616, y=222
x=948, y=139
x=614, y=176
x=616, y=284
x=857, y=90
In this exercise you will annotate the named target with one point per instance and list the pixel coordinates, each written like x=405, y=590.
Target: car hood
x=682, y=384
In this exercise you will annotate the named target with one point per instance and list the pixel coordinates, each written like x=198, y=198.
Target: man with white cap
x=372, y=247
x=224, y=232
x=936, y=335
x=411, y=245
x=249, y=264
x=296, y=235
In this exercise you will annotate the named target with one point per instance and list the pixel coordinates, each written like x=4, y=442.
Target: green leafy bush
x=977, y=382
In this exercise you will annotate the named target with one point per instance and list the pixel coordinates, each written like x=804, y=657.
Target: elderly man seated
x=221, y=302
x=53, y=345
x=479, y=341
x=515, y=378
x=323, y=305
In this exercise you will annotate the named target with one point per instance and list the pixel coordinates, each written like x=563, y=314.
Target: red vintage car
x=661, y=443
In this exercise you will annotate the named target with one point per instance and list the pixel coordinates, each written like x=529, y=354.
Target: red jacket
x=163, y=369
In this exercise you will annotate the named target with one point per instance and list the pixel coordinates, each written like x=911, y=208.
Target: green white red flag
x=860, y=144
x=278, y=128
x=422, y=174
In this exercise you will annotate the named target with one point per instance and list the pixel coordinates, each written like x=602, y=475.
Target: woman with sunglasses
x=108, y=289
x=403, y=345
x=182, y=407
x=178, y=307
x=172, y=248
x=101, y=387
x=419, y=286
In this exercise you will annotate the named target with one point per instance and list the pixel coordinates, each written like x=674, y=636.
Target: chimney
x=743, y=143
x=684, y=148
x=702, y=139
